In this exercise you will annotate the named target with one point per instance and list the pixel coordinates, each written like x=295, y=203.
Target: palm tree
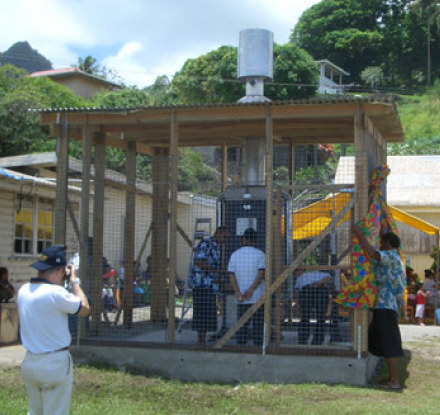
x=429, y=9
x=89, y=65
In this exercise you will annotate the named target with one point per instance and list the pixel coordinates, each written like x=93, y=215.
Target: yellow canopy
x=313, y=219
x=413, y=221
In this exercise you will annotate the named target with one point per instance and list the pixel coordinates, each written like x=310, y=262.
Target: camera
x=68, y=271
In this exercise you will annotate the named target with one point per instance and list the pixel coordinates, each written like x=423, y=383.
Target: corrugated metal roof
x=73, y=70
x=383, y=99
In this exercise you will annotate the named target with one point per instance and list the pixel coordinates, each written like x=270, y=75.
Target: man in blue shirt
x=205, y=280
x=384, y=337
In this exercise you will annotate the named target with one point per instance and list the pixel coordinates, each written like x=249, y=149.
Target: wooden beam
x=361, y=189
x=74, y=222
x=280, y=279
x=224, y=167
x=174, y=164
x=144, y=245
x=98, y=229
x=84, y=217
x=62, y=183
x=130, y=233
x=269, y=225
x=159, y=244
x=185, y=237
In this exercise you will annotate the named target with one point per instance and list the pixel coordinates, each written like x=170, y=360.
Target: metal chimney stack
x=255, y=63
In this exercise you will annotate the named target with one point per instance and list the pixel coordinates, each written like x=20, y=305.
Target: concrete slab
x=235, y=367
x=12, y=355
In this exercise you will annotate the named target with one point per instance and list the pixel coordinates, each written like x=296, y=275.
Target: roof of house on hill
x=413, y=181
x=72, y=71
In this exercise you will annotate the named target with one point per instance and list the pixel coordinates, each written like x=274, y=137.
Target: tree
x=373, y=76
x=125, y=97
x=89, y=65
x=356, y=34
x=160, y=93
x=20, y=130
x=212, y=78
x=346, y=32
x=428, y=10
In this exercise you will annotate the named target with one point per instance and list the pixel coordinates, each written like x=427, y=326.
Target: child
x=108, y=298
x=421, y=301
x=7, y=291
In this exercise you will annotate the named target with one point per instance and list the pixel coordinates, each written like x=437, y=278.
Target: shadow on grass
x=403, y=372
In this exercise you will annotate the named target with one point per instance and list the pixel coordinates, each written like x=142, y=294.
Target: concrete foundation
x=8, y=323
x=230, y=368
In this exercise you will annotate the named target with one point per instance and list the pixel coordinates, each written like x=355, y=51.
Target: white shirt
x=43, y=310
x=308, y=278
x=245, y=263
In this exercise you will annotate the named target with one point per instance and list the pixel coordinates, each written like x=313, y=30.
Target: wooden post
x=277, y=261
x=98, y=230
x=159, y=245
x=361, y=189
x=130, y=223
x=62, y=182
x=84, y=218
x=269, y=217
x=174, y=164
x=292, y=172
x=224, y=171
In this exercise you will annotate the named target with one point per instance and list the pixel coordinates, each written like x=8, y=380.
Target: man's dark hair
x=222, y=229
x=428, y=273
x=3, y=271
x=250, y=234
x=392, y=239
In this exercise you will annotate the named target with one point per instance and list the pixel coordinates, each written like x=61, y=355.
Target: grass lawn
x=107, y=391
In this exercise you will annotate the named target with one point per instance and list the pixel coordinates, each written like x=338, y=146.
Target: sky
x=140, y=39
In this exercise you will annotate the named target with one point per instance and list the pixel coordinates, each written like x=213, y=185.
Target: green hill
x=421, y=123
x=21, y=55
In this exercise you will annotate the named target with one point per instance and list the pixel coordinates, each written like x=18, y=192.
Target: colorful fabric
x=362, y=288
x=210, y=251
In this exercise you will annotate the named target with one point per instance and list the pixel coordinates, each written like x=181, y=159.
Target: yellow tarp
x=313, y=219
x=413, y=221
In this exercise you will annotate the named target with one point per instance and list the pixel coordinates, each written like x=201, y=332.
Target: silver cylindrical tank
x=255, y=54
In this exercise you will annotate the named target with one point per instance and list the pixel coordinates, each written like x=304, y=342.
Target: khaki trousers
x=49, y=380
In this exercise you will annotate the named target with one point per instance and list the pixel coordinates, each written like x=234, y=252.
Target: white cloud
x=141, y=38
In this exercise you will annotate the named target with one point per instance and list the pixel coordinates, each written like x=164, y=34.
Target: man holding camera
x=44, y=305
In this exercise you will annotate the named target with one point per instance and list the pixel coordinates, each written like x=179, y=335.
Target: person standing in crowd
x=314, y=293
x=204, y=281
x=384, y=337
x=7, y=290
x=430, y=287
x=44, y=305
x=421, y=297
x=246, y=273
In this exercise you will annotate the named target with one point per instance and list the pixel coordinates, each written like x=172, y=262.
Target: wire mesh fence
x=222, y=294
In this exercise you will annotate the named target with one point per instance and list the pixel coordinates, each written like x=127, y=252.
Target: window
x=33, y=225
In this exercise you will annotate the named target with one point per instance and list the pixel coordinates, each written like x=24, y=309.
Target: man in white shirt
x=246, y=273
x=313, y=289
x=44, y=305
